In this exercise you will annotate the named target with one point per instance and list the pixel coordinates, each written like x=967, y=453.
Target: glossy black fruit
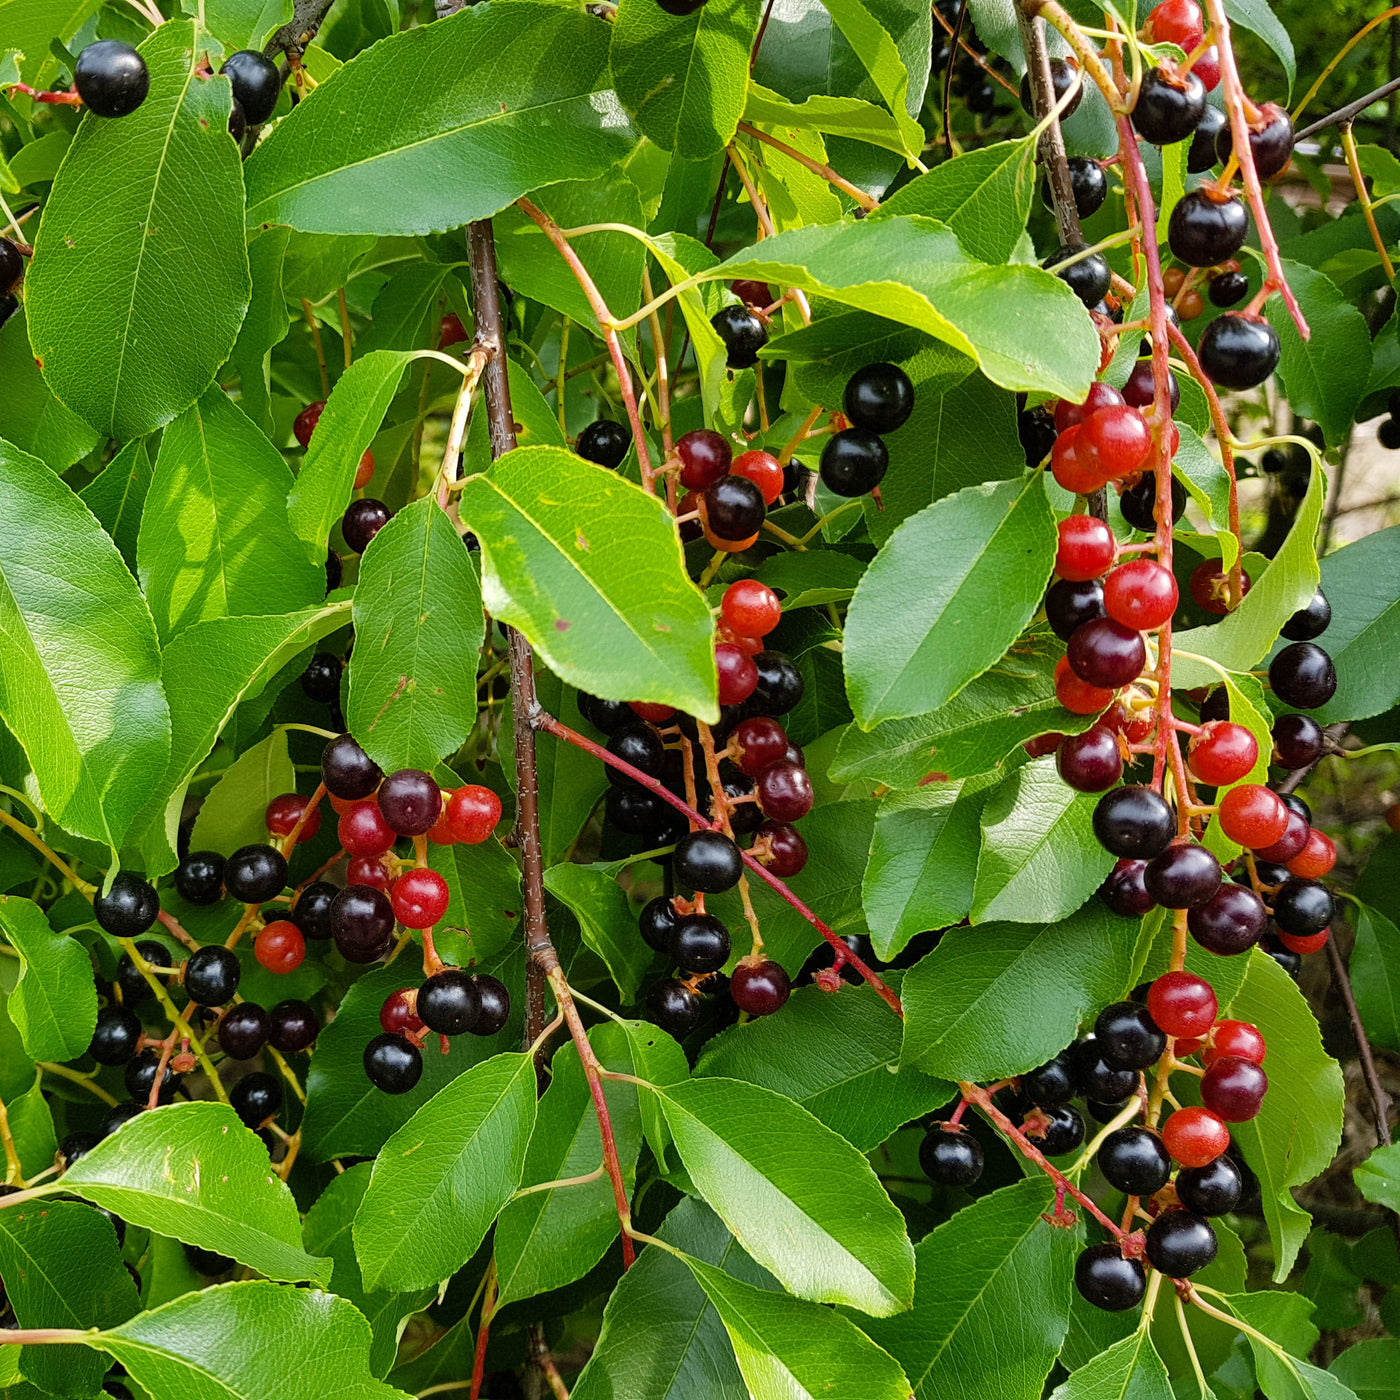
x=854, y=462
x=1228, y=289
x=734, y=508
x=129, y=908
x=321, y=679
x=243, y=1030
x=1068, y=605
x=1128, y=1037
x=348, y=772
x=1302, y=907
x=674, y=1007
x=950, y=1157
x=607, y=715
x=1135, y=1161
x=1201, y=156
x=1183, y=876
x=199, y=878
x=312, y=911
x=1134, y=822
x=1303, y=676
x=1310, y=621
x=449, y=1002
x=1271, y=144
x=1179, y=1243
x=11, y=265
x=700, y=943
x=135, y=989
x=1089, y=183
x=362, y=923
x=118, y=1115
x=1205, y=230
x=642, y=813
x=1298, y=741
x=255, y=873
x=111, y=78
x=780, y=685
x=255, y=1098
x=141, y=1075
x=1063, y=1133
x=237, y=123
x=657, y=923
x=294, y=1026
x=743, y=334
x=393, y=1064
x=707, y=861
x=1238, y=353
x=75, y=1146
x=212, y=975
x=1101, y=1082
x=495, y=1004
x=255, y=81
x=1108, y=1280
x=1214, y=1189
x=604, y=442
x=640, y=745
x=879, y=398
x=1063, y=76
x=1088, y=277
x=114, y=1036
x=1169, y=107
x=1053, y=1084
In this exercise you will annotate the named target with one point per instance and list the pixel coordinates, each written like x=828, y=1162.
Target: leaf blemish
x=562, y=624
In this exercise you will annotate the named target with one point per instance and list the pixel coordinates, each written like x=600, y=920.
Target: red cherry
x=1080, y=476
x=1316, y=859
x=759, y=988
x=1117, y=439
x=784, y=791
x=653, y=714
x=1222, y=753
x=1077, y=696
x=764, y=470
x=1195, y=1136
x=1236, y=1038
x=705, y=457
x=750, y=646
x=788, y=849
x=750, y=608
x=1207, y=69
x=759, y=742
x=1306, y=943
x=398, y=1014
x=1140, y=594
x=1176, y=22
x=1253, y=816
x=738, y=676
x=285, y=811
x=368, y=870
x=441, y=833
x=1234, y=1088
x=420, y=897
x=752, y=293
x=1182, y=1004
x=363, y=830
x=1086, y=548
x=305, y=422
x=472, y=813
x=1210, y=587
x=1101, y=395
x=280, y=946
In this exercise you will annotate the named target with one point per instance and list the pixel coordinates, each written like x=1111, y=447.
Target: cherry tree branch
x=1052, y=140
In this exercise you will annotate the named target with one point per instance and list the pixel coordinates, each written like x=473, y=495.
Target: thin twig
x=1350, y=112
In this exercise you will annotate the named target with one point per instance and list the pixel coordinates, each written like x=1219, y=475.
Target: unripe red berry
x=1253, y=816
x=1077, y=696
x=738, y=676
x=1075, y=474
x=280, y=946
x=363, y=830
x=368, y=870
x=1100, y=395
x=1239, y=1039
x=1182, y=1004
x=1195, y=1136
x=1086, y=548
x=764, y=470
x=759, y=742
x=1316, y=859
x=1222, y=753
x=1140, y=594
x=398, y=1014
x=751, y=608
x=1210, y=587
x=1234, y=1088
x=305, y=422
x=1304, y=943
x=1117, y=440
x=420, y=897
x=285, y=811
x=472, y=812
x=705, y=457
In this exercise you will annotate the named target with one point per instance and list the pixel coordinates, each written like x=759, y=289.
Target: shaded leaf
x=233, y=814
x=606, y=920
x=118, y=495
x=54, y=1003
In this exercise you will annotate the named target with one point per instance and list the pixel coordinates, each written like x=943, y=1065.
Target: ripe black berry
x=255, y=1098
x=657, y=923
x=294, y=1026
x=950, y=1156
x=243, y=1030
x=1100, y=1081
x=115, y=1035
x=1200, y=156
x=1063, y=76
x=312, y=911
x=362, y=521
x=11, y=265
x=1088, y=277
x=607, y=715
x=449, y=1002
x=1303, y=676
x=642, y=813
x=1302, y=907
x=1135, y=1161
x=1089, y=183
x=1169, y=107
x=255, y=83
x=1298, y=741
x=1063, y=1133
x=1228, y=289
x=1109, y=1281
x=640, y=745
x=780, y=685
x=118, y=1115
x=9, y=304
x=734, y=508
x=1053, y=1083
x=237, y=123
x=1183, y=876
x=700, y=943
x=854, y=462
x=604, y=442
x=707, y=861
x=1179, y=1243
x=1270, y=143
x=1214, y=1189
x=1134, y=822
x=879, y=398
x=199, y=878
x=321, y=679
x=393, y=1064
x=255, y=873
x=743, y=334
x=141, y=1075
x=130, y=907
x=1310, y=621
x=410, y=801
x=75, y=1146
x=335, y=571
x=680, y=8
x=1205, y=229
x=362, y=923
x=1229, y=922
x=348, y=772
x=495, y=1004
x=111, y=78
x=212, y=975
x=1238, y=353
x=1069, y=605
x=1128, y=1037
x=674, y=1007
x=1036, y=430
x=135, y=989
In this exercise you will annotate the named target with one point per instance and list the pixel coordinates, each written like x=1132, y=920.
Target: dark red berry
x=705, y=457
x=1125, y=890
x=410, y=801
x=362, y=521
x=1106, y=654
x=1234, y=1088
x=788, y=851
x=784, y=791
x=243, y=1030
x=1231, y=921
x=362, y=923
x=293, y=1026
x=1134, y=822
x=348, y=771
x=1092, y=761
x=759, y=988
x=1183, y=875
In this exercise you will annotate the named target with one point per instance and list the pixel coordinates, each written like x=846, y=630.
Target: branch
x=1350, y=112
x=544, y=961
x=1052, y=140
x=307, y=18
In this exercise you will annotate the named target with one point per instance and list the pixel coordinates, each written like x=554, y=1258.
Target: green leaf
x=31, y=1126
x=1258, y=16
x=984, y=196
x=802, y=1201
x=550, y=1238
x=111, y=286
x=30, y=25
x=682, y=78
x=485, y=898
x=1324, y=376
x=836, y=1056
x=245, y=24
x=946, y=597
x=1375, y=975
x=1128, y=1370
x=589, y=567
x=118, y=496
x=264, y=327
x=62, y=1267
x=418, y=632
x=30, y=416
x=1365, y=629
x=992, y=1303
x=346, y=1116
x=1278, y=1373
x=606, y=920
x=1297, y=1131
x=54, y=1003
x=80, y=671
x=1371, y=1368
x=972, y=733
x=1039, y=859
x=233, y=812
x=788, y=1349
x=351, y=418
x=442, y=1179
x=214, y=538
x=1378, y=1177
x=833, y=116
x=1021, y=324
x=1240, y=640
x=812, y=578
x=867, y=30
x=661, y=1338
x=923, y=861
x=1197, y=469
x=214, y=1187
x=659, y=1060
x=198, y=1348
x=1001, y=999
x=327, y=1231
x=506, y=99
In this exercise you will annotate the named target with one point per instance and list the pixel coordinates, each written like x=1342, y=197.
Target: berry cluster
x=877, y=400
x=970, y=78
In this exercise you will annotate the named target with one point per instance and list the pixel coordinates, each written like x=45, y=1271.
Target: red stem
x=483, y=1333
